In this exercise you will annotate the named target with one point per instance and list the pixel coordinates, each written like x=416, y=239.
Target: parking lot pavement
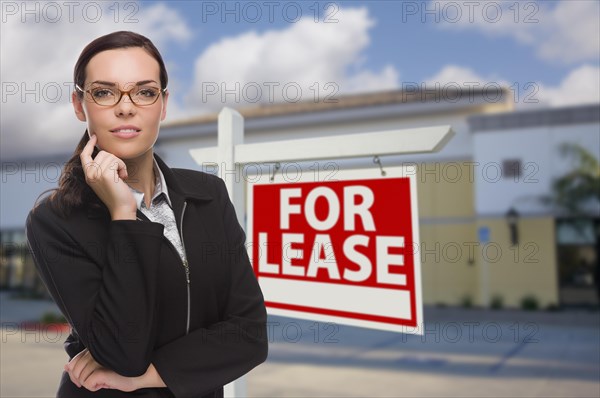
x=462, y=353
x=31, y=361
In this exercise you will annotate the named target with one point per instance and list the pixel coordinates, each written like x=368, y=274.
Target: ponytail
x=73, y=191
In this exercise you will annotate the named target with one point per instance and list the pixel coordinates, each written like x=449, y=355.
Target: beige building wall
x=448, y=231
x=526, y=269
x=457, y=268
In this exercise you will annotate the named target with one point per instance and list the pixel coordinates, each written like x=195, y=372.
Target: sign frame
x=410, y=172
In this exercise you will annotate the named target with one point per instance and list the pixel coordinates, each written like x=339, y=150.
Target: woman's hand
x=105, y=175
x=85, y=371
x=105, y=378
x=81, y=367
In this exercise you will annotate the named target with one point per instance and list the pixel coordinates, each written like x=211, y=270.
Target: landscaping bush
x=51, y=317
x=529, y=303
x=466, y=301
x=497, y=302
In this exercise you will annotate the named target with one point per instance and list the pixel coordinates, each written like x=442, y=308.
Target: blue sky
x=399, y=36
x=365, y=46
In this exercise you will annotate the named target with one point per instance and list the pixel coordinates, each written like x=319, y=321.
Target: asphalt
x=463, y=353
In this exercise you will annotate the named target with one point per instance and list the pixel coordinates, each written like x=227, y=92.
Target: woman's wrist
x=150, y=379
x=123, y=215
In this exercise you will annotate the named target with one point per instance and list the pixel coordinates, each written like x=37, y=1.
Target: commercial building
x=472, y=254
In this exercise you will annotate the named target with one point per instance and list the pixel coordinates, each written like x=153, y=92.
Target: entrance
x=577, y=263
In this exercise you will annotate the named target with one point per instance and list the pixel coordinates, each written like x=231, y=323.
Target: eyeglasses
x=110, y=96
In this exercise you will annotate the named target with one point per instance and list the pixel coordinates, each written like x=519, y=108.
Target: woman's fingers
x=105, y=174
x=80, y=363
x=101, y=378
x=71, y=365
x=75, y=359
x=80, y=366
x=97, y=380
x=118, y=166
x=86, y=154
x=73, y=379
x=85, y=371
x=91, y=167
x=94, y=168
x=105, y=164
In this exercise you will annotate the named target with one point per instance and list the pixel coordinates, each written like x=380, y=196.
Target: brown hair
x=73, y=191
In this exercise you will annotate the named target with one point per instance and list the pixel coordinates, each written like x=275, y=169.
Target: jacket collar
x=160, y=189
x=174, y=183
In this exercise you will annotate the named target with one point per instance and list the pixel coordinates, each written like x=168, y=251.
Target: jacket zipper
x=186, y=266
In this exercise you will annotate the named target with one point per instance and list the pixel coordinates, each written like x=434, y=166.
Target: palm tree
x=576, y=195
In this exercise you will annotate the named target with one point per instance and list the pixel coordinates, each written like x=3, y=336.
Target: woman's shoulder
x=43, y=208
x=199, y=181
x=195, y=175
x=46, y=221
x=47, y=210
x=42, y=217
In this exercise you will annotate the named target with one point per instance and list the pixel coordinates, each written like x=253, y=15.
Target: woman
x=146, y=262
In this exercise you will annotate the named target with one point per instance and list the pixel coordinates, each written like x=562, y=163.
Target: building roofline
x=578, y=114
x=494, y=94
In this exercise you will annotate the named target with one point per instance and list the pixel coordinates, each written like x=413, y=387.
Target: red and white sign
x=340, y=250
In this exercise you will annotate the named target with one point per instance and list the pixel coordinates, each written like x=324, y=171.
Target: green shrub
x=497, y=302
x=530, y=303
x=51, y=317
x=466, y=301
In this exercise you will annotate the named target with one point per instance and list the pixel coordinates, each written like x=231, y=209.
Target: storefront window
x=577, y=262
x=17, y=271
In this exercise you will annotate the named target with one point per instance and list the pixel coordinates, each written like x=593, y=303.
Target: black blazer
x=123, y=288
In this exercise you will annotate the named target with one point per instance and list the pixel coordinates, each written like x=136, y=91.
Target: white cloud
x=37, y=56
x=463, y=76
x=296, y=63
x=580, y=86
x=567, y=31
x=572, y=33
x=367, y=80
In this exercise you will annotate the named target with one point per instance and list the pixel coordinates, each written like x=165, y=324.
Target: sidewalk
x=464, y=352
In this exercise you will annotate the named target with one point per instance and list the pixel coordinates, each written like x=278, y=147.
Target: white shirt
x=161, y=209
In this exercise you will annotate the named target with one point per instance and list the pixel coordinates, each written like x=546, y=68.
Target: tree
x=577, y=195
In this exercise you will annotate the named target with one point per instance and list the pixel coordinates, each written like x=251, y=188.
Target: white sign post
x=232, y=154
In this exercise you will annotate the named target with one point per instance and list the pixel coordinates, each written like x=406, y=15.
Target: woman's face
x=125, y=69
